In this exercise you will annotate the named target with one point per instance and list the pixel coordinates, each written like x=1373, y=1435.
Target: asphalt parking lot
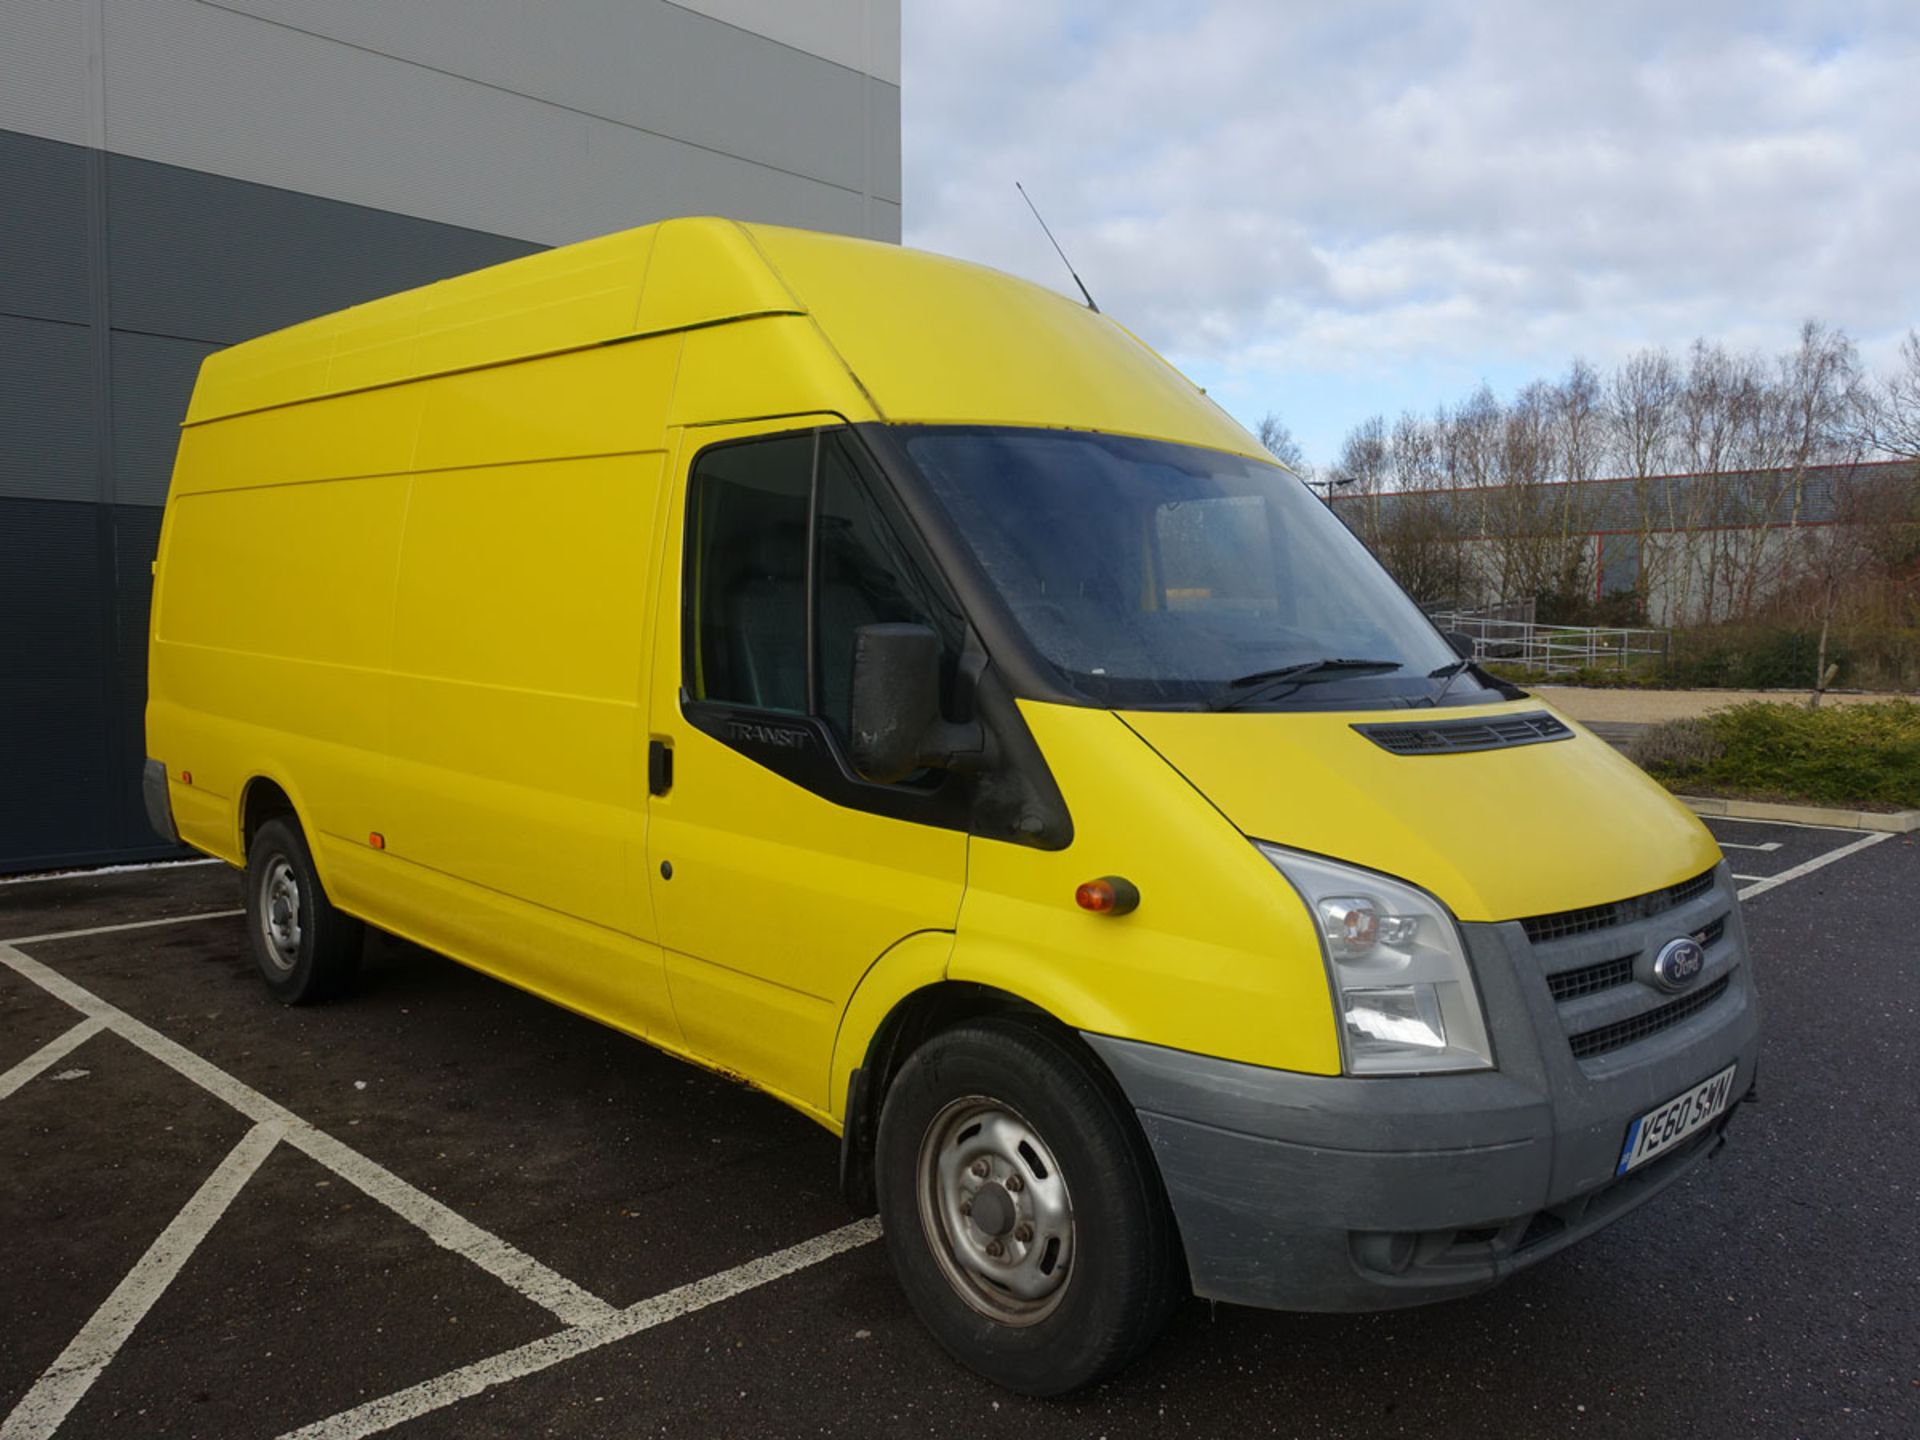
x=444, y=1208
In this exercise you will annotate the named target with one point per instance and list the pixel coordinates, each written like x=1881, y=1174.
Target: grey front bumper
x=1306, y=1192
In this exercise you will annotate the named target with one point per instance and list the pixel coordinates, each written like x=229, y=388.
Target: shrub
x=1677, y=746
x=1852, y=755
x=1779, y=657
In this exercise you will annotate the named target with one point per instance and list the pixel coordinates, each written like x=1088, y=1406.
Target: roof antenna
x=1056, y=247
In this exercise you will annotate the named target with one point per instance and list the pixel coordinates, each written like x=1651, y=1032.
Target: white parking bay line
x=55, y=1049
x=92, y=871
x=68, y=1379
x=445, y=1227
x=115, y=929
x=1736, y=845
x=1772, y=882
x=1712, y=820
x=469, y=1380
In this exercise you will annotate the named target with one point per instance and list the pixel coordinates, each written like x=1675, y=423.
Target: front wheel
x=1022, y=1208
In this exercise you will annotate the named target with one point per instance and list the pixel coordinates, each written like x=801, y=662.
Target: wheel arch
x=269, y=795
x=883, y=1033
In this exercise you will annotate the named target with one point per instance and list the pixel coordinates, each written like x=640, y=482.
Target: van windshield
x=1153, y=574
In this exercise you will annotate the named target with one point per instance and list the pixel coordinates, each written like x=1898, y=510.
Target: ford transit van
x=891, y=683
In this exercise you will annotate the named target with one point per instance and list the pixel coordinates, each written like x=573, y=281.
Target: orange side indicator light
x=186, y=777
x=377, y=840
x=1109, y=895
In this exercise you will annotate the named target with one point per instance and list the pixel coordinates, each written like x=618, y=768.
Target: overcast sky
x=1329, y=210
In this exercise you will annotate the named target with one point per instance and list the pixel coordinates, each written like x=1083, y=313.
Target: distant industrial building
x=1692, y=548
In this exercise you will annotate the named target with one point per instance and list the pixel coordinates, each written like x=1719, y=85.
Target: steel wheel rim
x=280, y=914
x=996, y=1212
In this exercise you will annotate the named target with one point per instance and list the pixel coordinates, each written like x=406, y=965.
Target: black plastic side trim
x=153, y=790
x=856, y=1146
x=804, y=749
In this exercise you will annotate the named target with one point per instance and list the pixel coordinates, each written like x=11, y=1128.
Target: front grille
x=1606, y=974
x=1453, y=737
x=1603, y=1038
x=1563, y=923
x=1572, y=984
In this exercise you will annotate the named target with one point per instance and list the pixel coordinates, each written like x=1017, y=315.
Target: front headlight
x=1401, y=982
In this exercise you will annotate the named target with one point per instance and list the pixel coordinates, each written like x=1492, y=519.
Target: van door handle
x=659, y=767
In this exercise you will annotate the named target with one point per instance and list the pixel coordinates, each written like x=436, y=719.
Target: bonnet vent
x=1451, y=737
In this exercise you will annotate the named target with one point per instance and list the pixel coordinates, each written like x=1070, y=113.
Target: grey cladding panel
x=47, y=419
x=73, y=589
x=226, y=93
x=60, y=805
x=43, y=228
x=207, y=258
x=633, y=180
x=52, y=591
x=641, y=63
x=883, y=138
x=44, y=90
x=136, y=541
x=153, y=379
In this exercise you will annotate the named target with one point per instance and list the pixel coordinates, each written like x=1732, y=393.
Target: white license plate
x=1665, y=1126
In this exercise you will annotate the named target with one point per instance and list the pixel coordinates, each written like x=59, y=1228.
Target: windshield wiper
x=1261, y=684
x=1449, y=673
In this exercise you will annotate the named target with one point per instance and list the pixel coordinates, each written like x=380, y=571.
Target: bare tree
x=1413, y=455
x=1717, y=452
x=1886, y=412
x=1642, y=398
x=1277, y=439
x=1784, y=424
x=1362, y=465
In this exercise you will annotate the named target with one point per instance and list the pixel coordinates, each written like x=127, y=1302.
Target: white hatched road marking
x=1771, y=882
x=446, y=1228
x=1712, y=820
x=1768, y=845
x=469, y=1380
x=67, y=1380
x=591, y=1322
x=48, y=1054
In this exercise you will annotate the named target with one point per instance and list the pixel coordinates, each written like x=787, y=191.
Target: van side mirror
x=1462, y=644
x=895, y=719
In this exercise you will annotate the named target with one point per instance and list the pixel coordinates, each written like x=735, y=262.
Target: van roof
x=929, y=339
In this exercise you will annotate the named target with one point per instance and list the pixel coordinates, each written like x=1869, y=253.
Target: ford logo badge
x=1679, y=963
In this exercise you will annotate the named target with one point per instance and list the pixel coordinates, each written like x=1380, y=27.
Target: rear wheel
x=1022, y=1208
x=305, y=949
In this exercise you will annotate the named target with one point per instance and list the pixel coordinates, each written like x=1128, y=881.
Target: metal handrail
x=1556, y=649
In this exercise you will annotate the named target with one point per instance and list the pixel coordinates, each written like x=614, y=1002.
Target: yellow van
x=891, y=683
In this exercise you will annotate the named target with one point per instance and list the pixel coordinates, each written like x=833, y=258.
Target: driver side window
x=788, y=542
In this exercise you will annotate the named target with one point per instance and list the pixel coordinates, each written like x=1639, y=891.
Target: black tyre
x=1022, y=1209
x=305, y=949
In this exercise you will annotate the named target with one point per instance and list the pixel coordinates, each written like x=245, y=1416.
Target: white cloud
x=1397, y=195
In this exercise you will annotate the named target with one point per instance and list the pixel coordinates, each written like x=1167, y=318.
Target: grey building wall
x=178, y=175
